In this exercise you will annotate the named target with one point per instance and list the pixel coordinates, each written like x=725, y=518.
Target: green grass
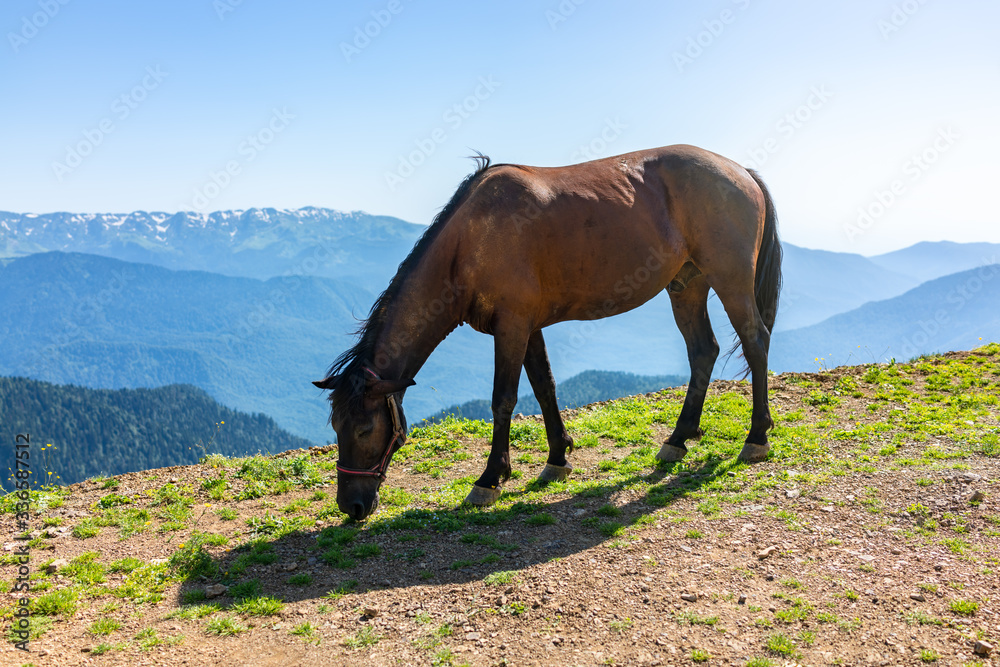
x=699, y=655
x=62, y=602
x=964, y=607
x=228, y=626
x=503, y=578
x=103, y=626
x=258, y=606
x=364, y=638
x=300, y=579
x=781, y=645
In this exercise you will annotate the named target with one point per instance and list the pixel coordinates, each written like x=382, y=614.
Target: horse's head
x=370, y=427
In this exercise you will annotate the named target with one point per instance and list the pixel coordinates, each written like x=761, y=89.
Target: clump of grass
x=300, y=579
x=699, y=655
x=964, y=607
x=259, y=606
x=501, y=578
x=104, y=626
x=540, y=519
x=243, y=590
x=781, y=644
x=343, y=589
x=228, y=626
x=363, y=638
x=620, y=626
x=62, y=602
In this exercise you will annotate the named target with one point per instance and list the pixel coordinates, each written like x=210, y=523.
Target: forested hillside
x=77, y=433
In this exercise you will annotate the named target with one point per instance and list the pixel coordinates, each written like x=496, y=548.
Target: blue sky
x=874, y=123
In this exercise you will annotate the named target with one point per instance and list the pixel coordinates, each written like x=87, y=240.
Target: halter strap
x=398, y=436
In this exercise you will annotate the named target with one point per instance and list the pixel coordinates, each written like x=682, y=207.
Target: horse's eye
x=363, y=430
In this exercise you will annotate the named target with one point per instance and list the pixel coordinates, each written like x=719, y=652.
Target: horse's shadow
x=420, y=547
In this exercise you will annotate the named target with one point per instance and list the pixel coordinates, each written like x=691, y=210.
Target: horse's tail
x=767, y=281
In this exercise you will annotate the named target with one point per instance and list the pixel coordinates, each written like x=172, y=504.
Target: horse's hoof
x=752, y=453
x=671, y=453
x=481, y=497
x=553, y=473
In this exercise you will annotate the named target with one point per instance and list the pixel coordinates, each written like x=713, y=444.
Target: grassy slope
x=235, y=520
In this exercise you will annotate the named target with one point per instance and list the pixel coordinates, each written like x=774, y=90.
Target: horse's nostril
x=357, y=511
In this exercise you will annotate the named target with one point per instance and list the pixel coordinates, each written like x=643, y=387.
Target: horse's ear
x=386, y=387
x=327, y=383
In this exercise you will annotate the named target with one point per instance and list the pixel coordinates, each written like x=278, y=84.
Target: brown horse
x=519, y=248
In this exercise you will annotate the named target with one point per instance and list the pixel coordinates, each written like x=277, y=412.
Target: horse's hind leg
x=536, y=364
x=755, y=340
x=690, y=306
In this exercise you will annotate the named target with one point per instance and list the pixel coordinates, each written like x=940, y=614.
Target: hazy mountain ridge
x=955, y=312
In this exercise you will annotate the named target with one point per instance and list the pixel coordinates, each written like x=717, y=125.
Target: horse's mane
x=347, y=391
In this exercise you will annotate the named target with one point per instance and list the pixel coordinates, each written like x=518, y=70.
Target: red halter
x=398, y=436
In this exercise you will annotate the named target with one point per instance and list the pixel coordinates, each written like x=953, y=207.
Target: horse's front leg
x=509, y=349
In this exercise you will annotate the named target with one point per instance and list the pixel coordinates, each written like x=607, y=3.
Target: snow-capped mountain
x=257, y=243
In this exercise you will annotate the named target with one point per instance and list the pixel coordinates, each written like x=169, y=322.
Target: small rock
x=288, y=567
x=472, y=636
x=742, y=600
x=970, y=477
x=982, y=647
x=52, y=567
x=826, y=508
x=896, y=552
x=371, y=612
x=764, y=553
x=938, y=567
x=977, y=497
x=793, y=493
x=174, y=480
x=215, y=590
x=689, y=597
x=918, y=597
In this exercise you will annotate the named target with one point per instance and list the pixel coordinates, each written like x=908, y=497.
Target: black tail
x=767, y=273
x=767, y=281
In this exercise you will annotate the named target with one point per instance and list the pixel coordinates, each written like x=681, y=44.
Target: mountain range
x=253, y=305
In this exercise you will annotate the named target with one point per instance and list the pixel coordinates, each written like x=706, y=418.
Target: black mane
x=346, y=391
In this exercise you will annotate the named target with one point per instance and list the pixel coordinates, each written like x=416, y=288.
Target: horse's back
x=589, y=240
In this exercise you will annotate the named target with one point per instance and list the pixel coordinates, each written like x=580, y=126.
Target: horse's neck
x=426, y=310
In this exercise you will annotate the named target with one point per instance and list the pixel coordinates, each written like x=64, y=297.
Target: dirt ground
x=884, y=564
